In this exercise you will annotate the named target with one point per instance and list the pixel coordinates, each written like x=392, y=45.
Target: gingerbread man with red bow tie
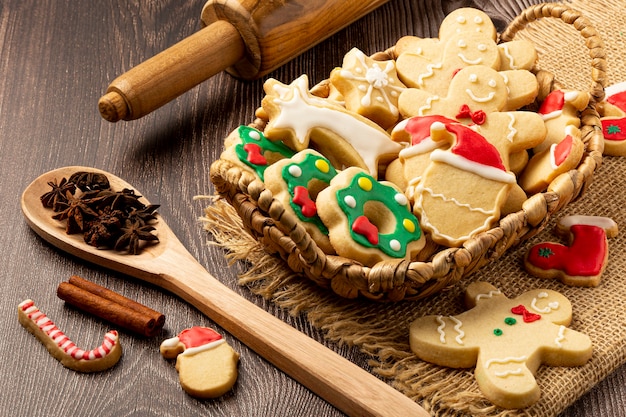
x=506, y=339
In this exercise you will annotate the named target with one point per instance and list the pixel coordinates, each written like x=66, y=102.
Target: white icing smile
x=477, y=99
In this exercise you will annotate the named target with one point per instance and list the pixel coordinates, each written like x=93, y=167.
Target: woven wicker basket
x=437, y=267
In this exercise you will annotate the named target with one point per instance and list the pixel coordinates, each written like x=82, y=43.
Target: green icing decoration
x=545, y=252
x=363, y=188
x=248, y=135
x=613, y=129
x=300, y=174
x=510, y=321
x=498, y=332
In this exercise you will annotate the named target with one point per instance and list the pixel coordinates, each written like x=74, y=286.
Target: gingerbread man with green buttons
x=506, y=339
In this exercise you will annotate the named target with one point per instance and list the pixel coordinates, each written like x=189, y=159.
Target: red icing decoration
x=614, y=129
x=302, y=199
x=418, y=127
x=479, y=116
x=526, y=315
x=563, y=149
x=585, y=257
x=198, y=336
x=553, y=102
x=618, y=100
x=473, y=146
x=254, y=154
x=364, y=227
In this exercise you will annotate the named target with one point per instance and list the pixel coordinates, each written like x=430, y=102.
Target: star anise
x=144, y=215
x=104, y=229
x=124, y=200
x=132, y=235
x=77, y=212
x=88, y=181
x=57, y=194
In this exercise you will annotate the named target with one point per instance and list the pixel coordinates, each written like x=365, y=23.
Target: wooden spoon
x=170, y=266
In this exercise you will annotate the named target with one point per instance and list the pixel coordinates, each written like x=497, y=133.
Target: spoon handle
x=334, y=378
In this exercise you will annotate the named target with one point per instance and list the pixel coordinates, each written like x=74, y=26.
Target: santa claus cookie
x=302, y=120
x=369, y=221
x=506, y=339
x=62, y=348
x=369, y=87
x=582, y=261
x=295, y=183
x=206, y=364
x=613, y=112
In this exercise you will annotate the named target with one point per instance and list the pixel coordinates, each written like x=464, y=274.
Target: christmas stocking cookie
x=206, y=364
x=506, y=339
x=613, y=112
x=583, y=260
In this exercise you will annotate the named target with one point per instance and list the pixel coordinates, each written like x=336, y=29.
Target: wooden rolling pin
x=248, y=37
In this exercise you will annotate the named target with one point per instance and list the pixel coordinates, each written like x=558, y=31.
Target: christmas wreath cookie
x=505, y=339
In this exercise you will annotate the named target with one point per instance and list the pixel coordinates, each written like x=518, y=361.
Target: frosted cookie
x=506, y=339
x=62, y=348
x=613, y=112
x=368, y=221
x=548, y=164
x=560, y=109
x=249, y=149
x=582, y=261
x=462, y=191
x=295, y=183
x=206, y=364
x=302, y=120
x=369, y=87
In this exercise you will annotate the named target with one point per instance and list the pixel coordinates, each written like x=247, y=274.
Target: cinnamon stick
x=111, y=306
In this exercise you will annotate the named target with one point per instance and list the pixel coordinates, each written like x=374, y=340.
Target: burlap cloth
x=380, y=331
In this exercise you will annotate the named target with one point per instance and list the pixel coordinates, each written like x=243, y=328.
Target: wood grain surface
x=56, y=59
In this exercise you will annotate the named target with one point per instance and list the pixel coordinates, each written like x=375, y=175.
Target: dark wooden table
x=56, y=59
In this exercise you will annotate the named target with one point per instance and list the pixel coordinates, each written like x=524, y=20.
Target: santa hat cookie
x=613, y=112
x=583, y=261
x=206, y=364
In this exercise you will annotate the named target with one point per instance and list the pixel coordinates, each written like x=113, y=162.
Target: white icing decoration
x=440, y=329
x=350, y=201
x=503, y=361
x=425, y=146
x=457, y=327
x=560, y=337
x=490, y=294
x=504, y=374
x=254, y=135
x=401, y=199
x=202, y=348
x=421, y=188
x=395, y=245
x=473, y=78
x=482, y=47
x=465, y=164
x=570, y=96
x=477, y=99
x=461, y=43
x=460, y=19
x=478, y=20
x=507, y=53
x=492, y=83
x=429, y=72
x=295, y=171
x=302, y=113
x=603, y=222
x=512, y=131
x=469, y=61
x=546, y=310
x=428, y=105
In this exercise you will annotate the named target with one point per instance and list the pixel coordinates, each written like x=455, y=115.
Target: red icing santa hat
x=616, y=95
x=552, y=105
x=195, y=339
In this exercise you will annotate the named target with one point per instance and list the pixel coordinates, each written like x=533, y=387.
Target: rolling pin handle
x=113, y=107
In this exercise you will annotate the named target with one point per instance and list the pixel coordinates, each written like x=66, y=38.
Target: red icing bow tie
x=479, y=117
x=526, y=315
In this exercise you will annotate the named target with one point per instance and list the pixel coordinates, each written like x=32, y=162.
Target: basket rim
x=396, y=280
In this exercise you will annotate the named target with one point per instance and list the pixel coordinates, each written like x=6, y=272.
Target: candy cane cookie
x=581, y=262
x=369, y=221
x=62, y=348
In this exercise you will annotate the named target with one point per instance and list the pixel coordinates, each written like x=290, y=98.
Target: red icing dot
x=364, y=227
x=563, y=149
x=302, y=199
x=254, y=154
x=553, y=102
x=198, y=336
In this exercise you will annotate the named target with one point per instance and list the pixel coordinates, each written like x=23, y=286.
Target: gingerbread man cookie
x=296, y=182
x=249, y=149
x=369, y=87
x=580, y=263
x=369, y=221
x=613, y=112
x=506, y=339
x=206, y=364
x=300, y=119
x=560, y=109
x=62, y=348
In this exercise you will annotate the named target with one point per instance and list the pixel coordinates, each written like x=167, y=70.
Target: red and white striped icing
x=61, y=340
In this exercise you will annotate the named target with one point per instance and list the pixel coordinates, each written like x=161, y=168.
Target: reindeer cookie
x=62, y=348
x=302, y=120
x=613, y=112
x=580, y=263
x=506, y=339
x=206, y=364
x=369, y=87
